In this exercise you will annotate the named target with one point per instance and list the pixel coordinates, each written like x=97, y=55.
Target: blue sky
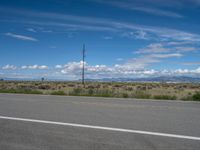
x=129, y=38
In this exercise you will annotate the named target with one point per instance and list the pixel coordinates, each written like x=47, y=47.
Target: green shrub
x=104, y=93
x=196, y=96
x=90, y=92
x=20, y=91
x=187, y=98
x=142, y=95
x=76, y=92
x=58, y=93
x=164, y=97
x=125, y=95
x=44, y=87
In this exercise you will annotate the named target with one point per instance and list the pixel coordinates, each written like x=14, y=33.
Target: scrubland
x=161, y=91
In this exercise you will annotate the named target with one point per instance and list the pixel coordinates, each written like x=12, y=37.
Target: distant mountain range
x=172, y=79
x=175, y=79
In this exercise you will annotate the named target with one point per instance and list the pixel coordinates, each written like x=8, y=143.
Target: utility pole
x=83, y=65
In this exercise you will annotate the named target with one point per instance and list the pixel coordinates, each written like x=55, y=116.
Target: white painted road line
x=103, y=128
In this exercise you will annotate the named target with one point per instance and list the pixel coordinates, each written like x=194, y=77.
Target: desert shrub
x=71, y=85
x=164, y=97
x=104, y=93
x=76, y=91
x=32, y=92
x=196, y=96
x=44, y=87
x=64, y=86
x=129, y=88
x=186, y=98
x=118, y=85
x=125, y=95
x=26, y=87
x=58, y=93
x=90, y=91
x=90, y=87
x=142, y=95
x=20, y=91
x=149, y=87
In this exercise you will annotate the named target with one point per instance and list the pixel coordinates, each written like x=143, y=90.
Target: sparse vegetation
x=58, y=93
x=161, y=91
x=20, y=91
x=164, y=97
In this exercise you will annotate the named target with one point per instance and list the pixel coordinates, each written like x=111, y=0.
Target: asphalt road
x=168, y=117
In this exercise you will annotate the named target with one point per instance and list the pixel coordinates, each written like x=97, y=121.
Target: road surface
x=40, y=122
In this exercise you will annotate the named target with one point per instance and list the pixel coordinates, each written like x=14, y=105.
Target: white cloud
x=72, y=70
x=187, y=71
x=21, y=37
x=58, y=66
x=31, y=30
x=140, y=34
x=182, y=71
x=153, y=48
x=130, y=70
x=75, y=68
x=42, y=67
x=137, y=63
x=9, y=67
x=166, y=55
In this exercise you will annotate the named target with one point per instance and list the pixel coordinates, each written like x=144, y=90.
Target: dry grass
x=172, y=91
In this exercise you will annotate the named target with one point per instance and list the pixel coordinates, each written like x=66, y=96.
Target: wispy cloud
x=31, y=30
x=178, y=43
x=162, y=34
x=21, y=37
x=139, y=6
x=153, y=48
x=75, y=23
x=165, y=47
x=137, y=34
x=185, y=49
x=166, y=55
x=140, y=34
x=142, y=62
x=158, y=12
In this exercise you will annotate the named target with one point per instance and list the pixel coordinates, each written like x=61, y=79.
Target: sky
x=123, y=39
